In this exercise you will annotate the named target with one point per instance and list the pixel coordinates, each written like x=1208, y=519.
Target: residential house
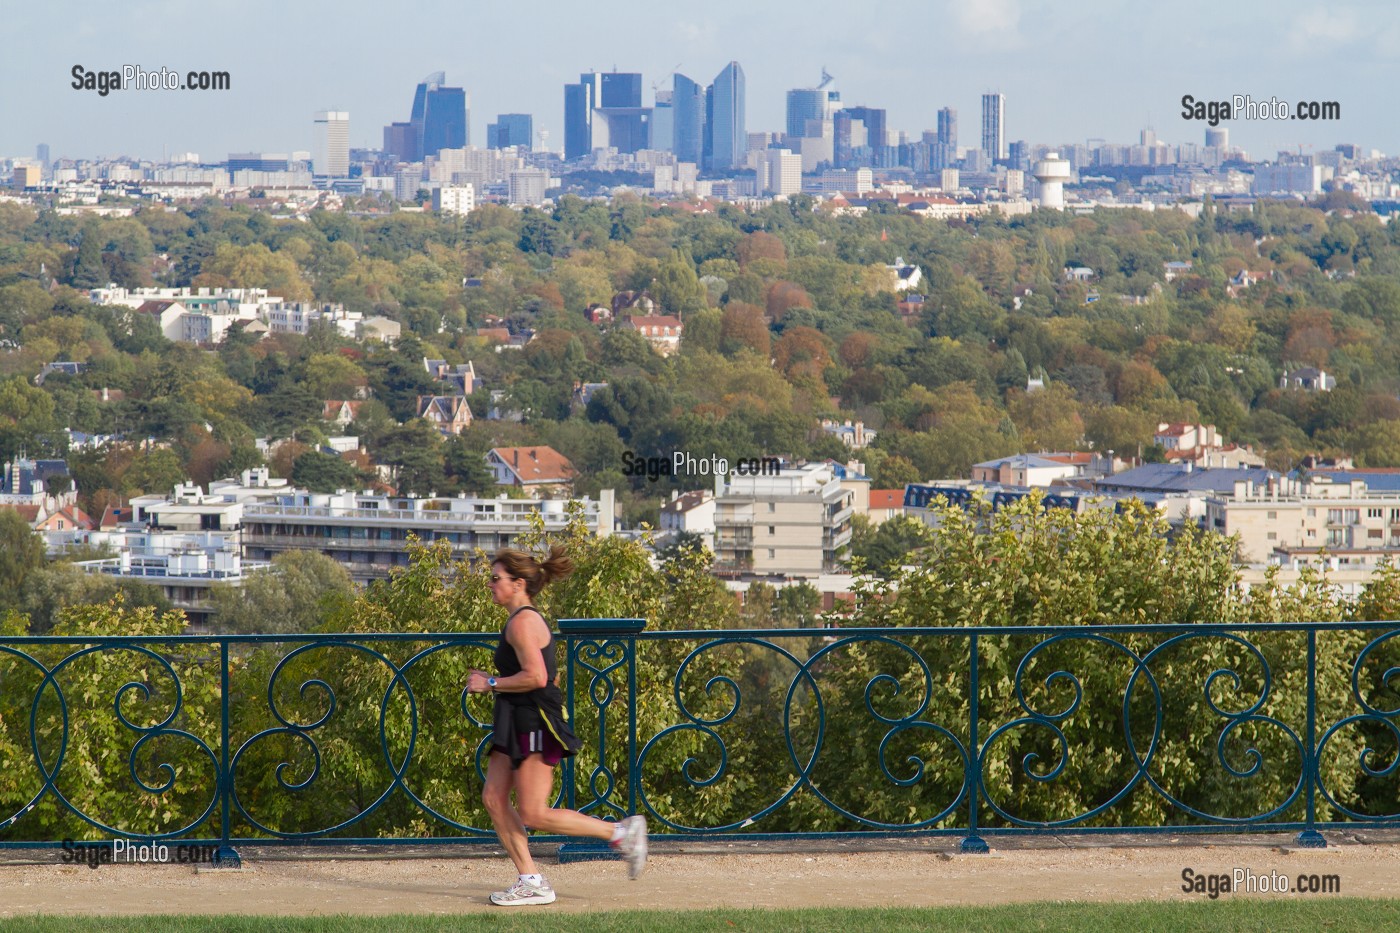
x=692, y=512
x=379, y=328
x=462, y=377
x=662, y=331
x=450, y=414
x=904, y=276
x=1308, y=379
x=884, y=505
x=540, y=471
x=64, y=368
x=340, y=412
x=1175, y=269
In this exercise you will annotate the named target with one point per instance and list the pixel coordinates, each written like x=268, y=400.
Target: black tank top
x=508, y=664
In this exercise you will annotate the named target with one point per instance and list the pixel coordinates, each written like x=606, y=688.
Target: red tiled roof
x=886, y=499
x=536, y=464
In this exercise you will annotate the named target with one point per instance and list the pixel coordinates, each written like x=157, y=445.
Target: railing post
x=972, y=842
x=226, y=856
x=1310, y=838
x=590, y=645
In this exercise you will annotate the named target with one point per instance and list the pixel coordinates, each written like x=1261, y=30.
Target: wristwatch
x=491, y=683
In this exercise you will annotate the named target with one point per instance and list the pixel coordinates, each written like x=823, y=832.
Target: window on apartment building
x=1273, y=516
x=1353, y=516
x=1273, y=536
x=772, y=506
x=1375, y=532
x=771, y=530
x=1334, y=516
x=1312, y=532
x=771, y=555
x=1336, y=538
x=1312, y=513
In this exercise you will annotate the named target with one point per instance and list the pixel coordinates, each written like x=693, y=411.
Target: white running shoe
x=633, y=845
x=522, y=893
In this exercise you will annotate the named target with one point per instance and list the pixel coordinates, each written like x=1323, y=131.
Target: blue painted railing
x=964, y=732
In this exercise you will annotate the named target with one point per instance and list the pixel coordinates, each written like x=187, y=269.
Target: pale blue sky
x=1070, y=71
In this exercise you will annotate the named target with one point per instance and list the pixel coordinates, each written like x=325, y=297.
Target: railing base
x=587, y=852
x=1311, y=839
x=974, y=845
x=226, y=857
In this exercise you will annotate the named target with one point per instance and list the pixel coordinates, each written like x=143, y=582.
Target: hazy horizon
x=1107, y=71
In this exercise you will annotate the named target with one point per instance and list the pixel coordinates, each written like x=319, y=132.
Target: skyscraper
x=605, y=110
x=438, y=121
x=579, y=101
x=330, y=151
x=444, y=120
x=726, y=130
x=687, y=119
x=663, y=122
x=510, y=129
x=818, y=103
x=994, y=126
x=874, y=120
x=948, y=127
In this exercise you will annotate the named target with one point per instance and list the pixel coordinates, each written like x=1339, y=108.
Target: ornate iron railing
x=214, y=740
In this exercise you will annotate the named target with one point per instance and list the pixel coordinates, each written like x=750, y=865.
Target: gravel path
x=921, y=872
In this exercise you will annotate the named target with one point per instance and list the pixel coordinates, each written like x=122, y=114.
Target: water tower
x=1052, y=172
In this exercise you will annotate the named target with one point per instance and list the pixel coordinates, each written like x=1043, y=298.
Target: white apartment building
x=846, y=181
x=1295, y=519
x=790, y=525
x=527, y=187
x=185, y=565
x=454, y=199
x=367, y=533
x=331, y=156
x=297, y=317
x=778, y=172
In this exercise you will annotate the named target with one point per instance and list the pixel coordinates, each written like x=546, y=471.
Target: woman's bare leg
x=500, y=778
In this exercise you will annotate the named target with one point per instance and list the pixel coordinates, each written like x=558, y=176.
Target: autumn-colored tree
x=803, y=354
x=784, y=296
x=764, y=246
x=744, y=325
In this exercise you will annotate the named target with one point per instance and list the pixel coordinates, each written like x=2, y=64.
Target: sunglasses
x=498, y=579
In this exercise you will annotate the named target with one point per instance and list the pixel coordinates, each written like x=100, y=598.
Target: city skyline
x=1107, y=72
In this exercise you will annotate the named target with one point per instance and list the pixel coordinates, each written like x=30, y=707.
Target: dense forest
x=789, y=313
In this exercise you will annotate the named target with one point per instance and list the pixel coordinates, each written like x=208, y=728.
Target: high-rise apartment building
x=330, y=152
x=778, y=172
x=994, y=126
x=725, y=128
x=510, y=129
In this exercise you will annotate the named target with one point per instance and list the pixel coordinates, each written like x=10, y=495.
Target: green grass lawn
x=1237, y=914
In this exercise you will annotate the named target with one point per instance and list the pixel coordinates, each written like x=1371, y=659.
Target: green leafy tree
x=296, y=595
x=321, y=472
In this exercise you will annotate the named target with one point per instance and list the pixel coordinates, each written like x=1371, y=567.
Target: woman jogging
x=532, y=733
